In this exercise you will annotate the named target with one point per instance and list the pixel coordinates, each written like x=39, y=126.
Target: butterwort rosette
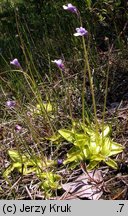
x=59, y=63
x=71, y=8
x=81, y=32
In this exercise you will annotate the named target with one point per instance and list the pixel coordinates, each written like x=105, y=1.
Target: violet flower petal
x=18, y=127
x=81, y=32
x=10, y=104
x=59, y=63
x=15, y=62
x=70, y=7
x=59, y=162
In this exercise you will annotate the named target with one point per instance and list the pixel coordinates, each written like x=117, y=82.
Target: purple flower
x=71, y=8
x=10, y=104
x=81, y=32
x=59, y=162
x=18, y=127
x=15, y=62
x=59, y=63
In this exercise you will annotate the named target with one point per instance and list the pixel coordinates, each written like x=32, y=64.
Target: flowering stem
x=106, y=90
x=87, y=67
x=83, y=95
x=90, y=80
x=61, y=72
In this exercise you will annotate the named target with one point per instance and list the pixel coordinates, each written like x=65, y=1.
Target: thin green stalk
x=106, y=89
x=87, y=68
x=83, y=95
x=70, y=107
x=91, y=82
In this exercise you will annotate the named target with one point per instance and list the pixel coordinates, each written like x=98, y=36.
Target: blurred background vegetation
x=46, y=30
x=37, y=32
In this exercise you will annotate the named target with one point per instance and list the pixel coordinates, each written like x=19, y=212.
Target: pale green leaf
x=88, y=130
x=43, y=107
x=97, y=158
x=94, y=148
x=92, y=165
x=74, y=157
x=115, y=148
x=48, y=107
x=8, y=171
x=67, y=134
x=111, y=163
x=55, y=138
x=106, y=146
x=106, y=131
x=81, y=140
x=17, y=157
x=86, y=153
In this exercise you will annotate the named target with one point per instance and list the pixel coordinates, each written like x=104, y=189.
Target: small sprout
x=15, y=62
x=71, y=8
x=81, y=32
x=42, y=108
x=10, y=104
x=59, y=64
